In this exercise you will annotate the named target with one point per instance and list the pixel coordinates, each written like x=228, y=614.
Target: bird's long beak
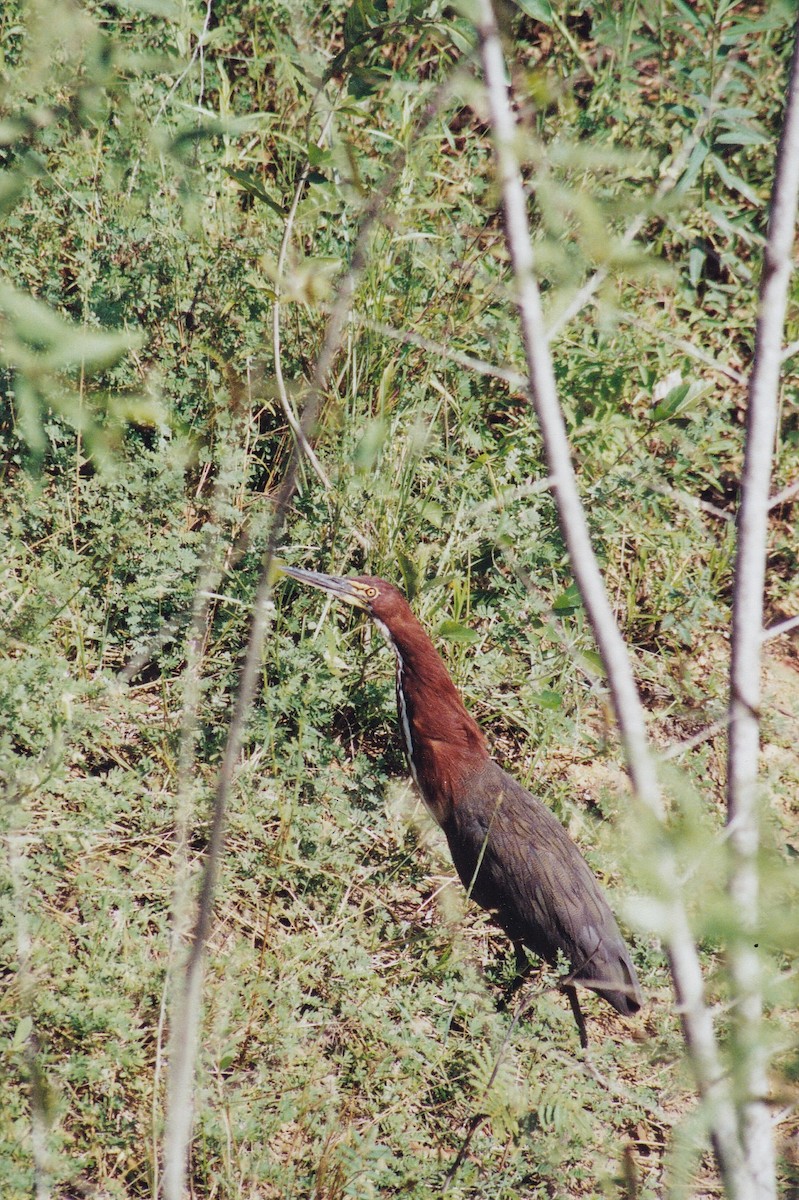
x=337, y=585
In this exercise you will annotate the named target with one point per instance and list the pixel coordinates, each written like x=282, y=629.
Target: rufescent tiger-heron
x=512, y=855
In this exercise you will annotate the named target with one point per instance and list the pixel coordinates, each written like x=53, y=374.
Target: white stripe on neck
x=402, y=708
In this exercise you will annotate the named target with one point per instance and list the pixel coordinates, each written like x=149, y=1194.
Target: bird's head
x=454, y=741
x=382, y=601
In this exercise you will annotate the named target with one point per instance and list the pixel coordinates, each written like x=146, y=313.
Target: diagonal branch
x=684, y=961
x=184, y=1036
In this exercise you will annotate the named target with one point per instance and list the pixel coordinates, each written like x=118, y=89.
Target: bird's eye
x=370, y=593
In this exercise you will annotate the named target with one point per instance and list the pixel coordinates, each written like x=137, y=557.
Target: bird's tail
x=613, y=978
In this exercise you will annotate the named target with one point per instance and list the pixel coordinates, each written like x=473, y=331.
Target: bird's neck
x=443, y=742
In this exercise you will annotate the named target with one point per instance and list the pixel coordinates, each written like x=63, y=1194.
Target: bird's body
x=512, y=855
x=516, y=859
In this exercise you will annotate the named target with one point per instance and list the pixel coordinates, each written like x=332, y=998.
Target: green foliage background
x=354, y=1008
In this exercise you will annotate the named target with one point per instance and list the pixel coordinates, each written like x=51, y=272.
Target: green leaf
x=13, y=129
x=44, y=340
x=434, y=513
x=742, y=137
x=539, y=10
x=700, y=21
x=734, y=182
x=460, y=32
x=548, y=699
x=410, y=575
x=362, y=15
x=22, y=1032
x=253, y=187
x=592, y=661
x=168, y=9
x=187, y=138
x=672, y=402
x=453, y=631
x=568, y=601
x=680, y=400
x=364, y=81
x=696, y=263
x=697, y=158
x=319, y=156
x=778, y=18
x=371, y=443
x=13, y=185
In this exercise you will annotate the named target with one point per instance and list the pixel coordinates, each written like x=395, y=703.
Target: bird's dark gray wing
x=516, y=859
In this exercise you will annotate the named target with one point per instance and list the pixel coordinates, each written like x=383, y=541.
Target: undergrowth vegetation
x=357, y=1028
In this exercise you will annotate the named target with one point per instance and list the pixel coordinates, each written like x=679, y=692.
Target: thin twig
x=693, y=503
x=186, y=1019
x=787, y=493
x=775, y=631
x=543, y=393
x=683, y=957
x=677, y=749
x=750, y=1056
x=515, y=379
x=663, y=335
x=211, y=570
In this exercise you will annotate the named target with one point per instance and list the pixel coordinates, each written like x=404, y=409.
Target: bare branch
x=196, y=53
x=514, y=379
x=185, y=1034
x=692, y=503
x=677, y=749
x=775, y=631
x=543, y=393
x=787, y=493
x=696, y=1018
x=750, y=1053
x=683, y=344
x=209, y=577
